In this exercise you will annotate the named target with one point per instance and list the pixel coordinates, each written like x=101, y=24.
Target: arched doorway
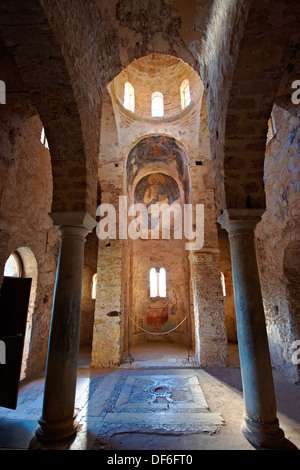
x=22, y=264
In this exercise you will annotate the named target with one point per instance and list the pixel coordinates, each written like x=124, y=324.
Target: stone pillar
x=58, y=419
x=260, y=425
x=210, y=332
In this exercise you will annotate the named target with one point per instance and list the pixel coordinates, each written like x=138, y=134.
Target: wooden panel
x=14, y=300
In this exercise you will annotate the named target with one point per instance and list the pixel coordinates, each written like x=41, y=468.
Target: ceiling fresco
x=161, y=150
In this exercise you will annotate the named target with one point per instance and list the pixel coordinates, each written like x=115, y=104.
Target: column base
x=55, y=431
x=265, y=436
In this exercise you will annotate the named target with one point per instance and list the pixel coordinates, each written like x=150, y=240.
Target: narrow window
x=157, y=104
x=13, y=266
x=129, y=97
x=162, y=283
x=94, y=286
x=223, y=284
x=153, y=282
x=43, y=138
x=271, y=129
x=185, y=93
x=158, y=285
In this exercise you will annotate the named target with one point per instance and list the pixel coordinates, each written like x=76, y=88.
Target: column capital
x=240, y=220
x=72, y=221
x=205, y=255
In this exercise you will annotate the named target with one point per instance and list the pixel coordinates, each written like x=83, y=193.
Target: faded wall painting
x=157, y=149
x=157, y=190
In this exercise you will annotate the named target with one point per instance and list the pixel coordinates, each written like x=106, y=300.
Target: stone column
x=58, y=419
x=260, y=425
x=210, y=332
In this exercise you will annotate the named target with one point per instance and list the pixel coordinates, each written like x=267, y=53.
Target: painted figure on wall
x=156, y=189
x=157, y=149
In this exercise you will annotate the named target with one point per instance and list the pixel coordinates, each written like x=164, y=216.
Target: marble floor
x=158, y=401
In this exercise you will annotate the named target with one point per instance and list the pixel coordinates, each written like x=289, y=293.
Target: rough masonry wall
x=280, y=226
x=26, y=196
x=171, y=255
x=108, y=327
x=226, y=270
x=88, y=303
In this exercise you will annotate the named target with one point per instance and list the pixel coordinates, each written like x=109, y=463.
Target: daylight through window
x=185, y=94
x=158, y=282
x=129, y=97
x=157, y=104
x=13, y=266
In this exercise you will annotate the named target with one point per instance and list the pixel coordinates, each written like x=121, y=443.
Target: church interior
x=117, y=331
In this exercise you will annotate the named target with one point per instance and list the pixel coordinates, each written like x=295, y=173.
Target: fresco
x=157, y=316
x=155, y=189
x=156, y=149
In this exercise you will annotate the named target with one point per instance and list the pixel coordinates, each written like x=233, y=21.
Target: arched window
x=129, y=97
x=157, y=104
x=158, y=282
x=185, y=93
x=13, y=266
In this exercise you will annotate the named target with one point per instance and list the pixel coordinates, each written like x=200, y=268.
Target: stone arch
x=158, y=152
x=264, y=52
x=50, y=92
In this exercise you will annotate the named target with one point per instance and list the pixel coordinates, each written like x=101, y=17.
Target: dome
x=160, y=75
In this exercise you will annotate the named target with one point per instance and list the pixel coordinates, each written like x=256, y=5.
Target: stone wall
x=107, y=343
x=26, y=197
x=226, y=270
x=88, y=303
x=171, y=255
x=279, y=230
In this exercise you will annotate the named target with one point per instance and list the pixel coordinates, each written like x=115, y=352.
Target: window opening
x=94, y=286
x=271, y=129
x=157, y=104
x=13, y=266
x=129, y=97
x=223, y=284
x=185, y=93
x=43, y=138
x=158, y=284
